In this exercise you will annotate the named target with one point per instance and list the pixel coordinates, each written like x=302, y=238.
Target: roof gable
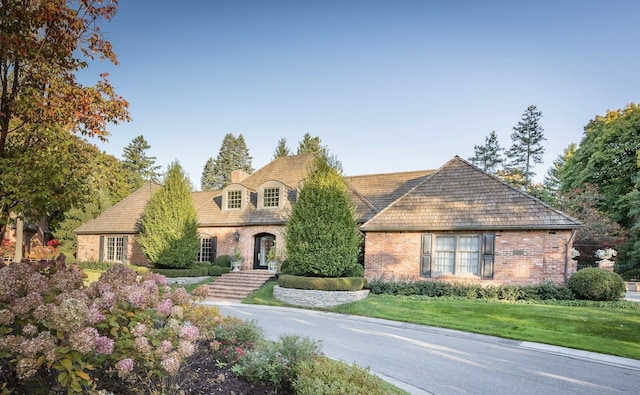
x=460, y=196
x=124, y=216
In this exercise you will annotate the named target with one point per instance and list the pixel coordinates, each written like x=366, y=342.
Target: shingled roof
x=460, y=196
x=122, y=217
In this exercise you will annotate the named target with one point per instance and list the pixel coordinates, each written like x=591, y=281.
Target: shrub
x=322, y=376
x=215, y=270
x=234, y=338
x=322, y=237
x=321, y=283
x=223, y=261
x=193, y=271
x=596, y=284
x=274, y=363
x=95, y=265
x=61, y=336
x=169, y=225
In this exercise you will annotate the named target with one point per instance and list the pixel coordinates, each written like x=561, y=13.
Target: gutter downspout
x=566, y=256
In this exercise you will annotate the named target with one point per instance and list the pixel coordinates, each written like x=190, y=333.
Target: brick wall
x=521, y=257
x=88, y=249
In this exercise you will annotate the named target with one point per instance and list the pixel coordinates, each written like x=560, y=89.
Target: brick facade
x=521, y=257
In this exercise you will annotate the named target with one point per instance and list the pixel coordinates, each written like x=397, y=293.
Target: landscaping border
x=315, y=298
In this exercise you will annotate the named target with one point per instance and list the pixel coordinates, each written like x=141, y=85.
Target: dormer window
x=234, y=199
x=271, y=195
x=271, y=198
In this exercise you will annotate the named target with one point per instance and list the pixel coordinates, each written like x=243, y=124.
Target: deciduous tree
x=169, y=235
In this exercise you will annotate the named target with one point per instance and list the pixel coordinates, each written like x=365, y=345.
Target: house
x=456, y=223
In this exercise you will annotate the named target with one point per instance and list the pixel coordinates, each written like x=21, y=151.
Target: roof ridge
x=363, y=198
x=392, y=173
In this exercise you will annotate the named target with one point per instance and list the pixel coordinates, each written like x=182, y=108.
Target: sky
x=388, y=86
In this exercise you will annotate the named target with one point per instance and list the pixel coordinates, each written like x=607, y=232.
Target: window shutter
x=488, y=252
x=125, y=249
x=425, y=261
x=101, y=250
x=214, y=248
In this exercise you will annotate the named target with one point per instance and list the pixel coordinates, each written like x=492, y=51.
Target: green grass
x=603, y=330
x=264, y=296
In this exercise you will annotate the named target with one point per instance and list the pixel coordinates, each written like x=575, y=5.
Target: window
x=113, y=248
x=458, y=254
x=234, y=199
x=271, y=197
x=207, y=252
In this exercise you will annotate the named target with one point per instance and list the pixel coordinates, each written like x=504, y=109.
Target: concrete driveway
x=428, y=360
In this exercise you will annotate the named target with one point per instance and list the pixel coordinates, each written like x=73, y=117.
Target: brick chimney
x=238, y=176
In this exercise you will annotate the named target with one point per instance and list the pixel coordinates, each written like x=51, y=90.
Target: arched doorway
x=264, y=242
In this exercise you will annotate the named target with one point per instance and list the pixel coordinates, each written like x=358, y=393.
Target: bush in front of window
x=169, y=228
x=594, y=283
x=322, y=237
x=223, y=261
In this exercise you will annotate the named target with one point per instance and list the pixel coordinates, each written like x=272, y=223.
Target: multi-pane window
x=445, y=254
x=207, y=250
x=271, y=197
x=468, y=255
x=234, y=199
x=114, y=249
x=456, y=254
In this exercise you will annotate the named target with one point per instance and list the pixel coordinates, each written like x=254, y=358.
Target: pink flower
x=139, y=330
x=94, y=315
x=171, y=364
x=6, y=317
x=180, y=296
x=165, y=347
x=22, y=306
x=142, y=345
x=186, y=349
x=164, y=307
x=30, y=330
x=104, y=345
x=124, y=367
x=84, y=339
x=135, y=297
x=189, y=332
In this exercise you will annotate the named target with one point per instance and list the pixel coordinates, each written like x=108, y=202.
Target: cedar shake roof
x=122, y=217
x=372, y=193
x=460, y=196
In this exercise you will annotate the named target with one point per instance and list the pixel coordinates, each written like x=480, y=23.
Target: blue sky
x=387, y=85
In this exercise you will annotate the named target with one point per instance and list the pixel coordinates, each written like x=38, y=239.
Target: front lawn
x=611, y=331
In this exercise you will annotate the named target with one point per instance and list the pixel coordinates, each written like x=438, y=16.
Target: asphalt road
x=428, y=360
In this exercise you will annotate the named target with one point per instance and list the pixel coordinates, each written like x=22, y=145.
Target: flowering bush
x=56, y=334
x=607, y=253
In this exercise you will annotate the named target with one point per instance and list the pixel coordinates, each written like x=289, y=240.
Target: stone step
x=236, y=286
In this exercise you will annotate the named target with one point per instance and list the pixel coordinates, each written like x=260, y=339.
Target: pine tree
x=136, y=161
x=233, y=155
x=488, y=157
x=552, y=180
x=208, y=179
x=281, y=149
x=322, y=236
x=526, y=149
x=313, y=145
x=169, y=235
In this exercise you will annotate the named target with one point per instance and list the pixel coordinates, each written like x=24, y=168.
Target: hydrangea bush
x=58, y=335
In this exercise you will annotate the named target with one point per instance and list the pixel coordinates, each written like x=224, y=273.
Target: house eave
x=466, y=228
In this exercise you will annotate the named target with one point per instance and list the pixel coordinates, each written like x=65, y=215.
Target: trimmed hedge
x=193, y=271
x=321, y=283
x=543, y=291
x=593, y=283
x=215, y=270
x=223, y=261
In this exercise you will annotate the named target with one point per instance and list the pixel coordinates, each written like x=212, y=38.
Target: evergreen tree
x=208, y=178
x=169, y=226
x=488, y=157
x=526, y=149
x=313, y=145
x=322, y=236
x=233, y=155
x=136, y=161
x=552, y=180
x=281, y=149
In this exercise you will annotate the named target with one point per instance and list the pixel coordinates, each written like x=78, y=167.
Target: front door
x=263, y=244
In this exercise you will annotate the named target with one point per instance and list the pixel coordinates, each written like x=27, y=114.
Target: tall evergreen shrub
x=169, y=235
x=322, y=237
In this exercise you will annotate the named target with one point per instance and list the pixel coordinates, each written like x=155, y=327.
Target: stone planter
x=236, y=265
x=272, y=266
x=313, y=298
